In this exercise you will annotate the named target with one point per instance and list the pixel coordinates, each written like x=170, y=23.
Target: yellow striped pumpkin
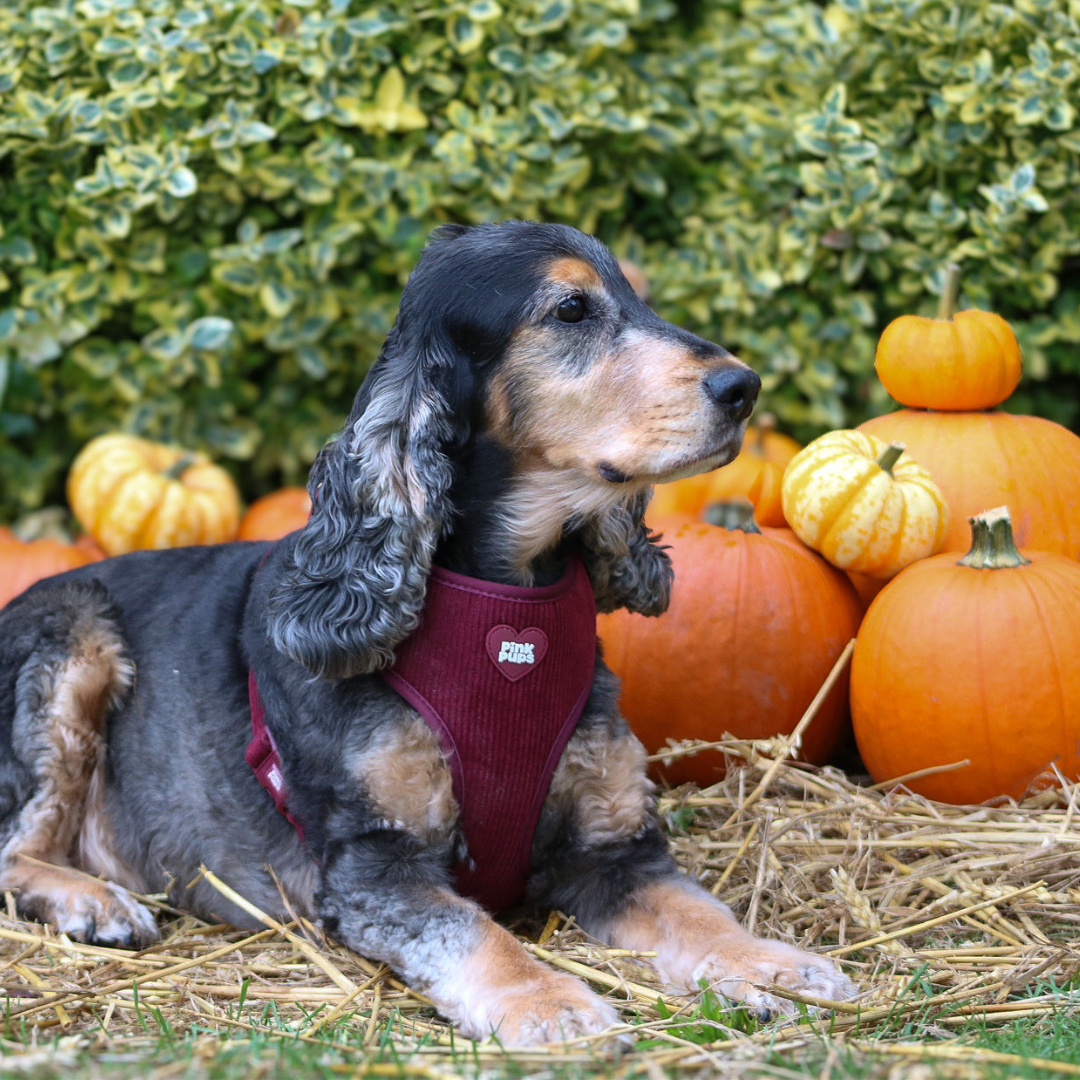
x=864, y=506
x=131, y=494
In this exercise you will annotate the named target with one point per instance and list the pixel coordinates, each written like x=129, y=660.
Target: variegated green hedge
x=208, y=207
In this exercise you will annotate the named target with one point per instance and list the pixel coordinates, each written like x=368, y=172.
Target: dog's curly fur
x=523, y=405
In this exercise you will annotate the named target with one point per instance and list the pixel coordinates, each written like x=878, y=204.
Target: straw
x=942, y=915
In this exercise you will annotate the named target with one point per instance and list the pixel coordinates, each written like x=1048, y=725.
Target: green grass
x=203, y=1052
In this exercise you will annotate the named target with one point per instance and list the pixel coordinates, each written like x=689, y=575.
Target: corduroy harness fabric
x=501, y=673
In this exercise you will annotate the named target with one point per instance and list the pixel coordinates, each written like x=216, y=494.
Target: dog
x=504, y=445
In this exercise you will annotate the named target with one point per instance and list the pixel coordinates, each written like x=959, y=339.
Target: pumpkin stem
x=732, y=514
x=950, y=293
x=890, y=456
x=993, y=546
x=180, y=466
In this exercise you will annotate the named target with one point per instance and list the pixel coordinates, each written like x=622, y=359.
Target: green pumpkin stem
x=179, y=467
x=732, y=514
x=950, y=293
x=993, y=546
x=890, y=456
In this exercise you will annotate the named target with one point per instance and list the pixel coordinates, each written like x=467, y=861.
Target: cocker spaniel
x=419, y=662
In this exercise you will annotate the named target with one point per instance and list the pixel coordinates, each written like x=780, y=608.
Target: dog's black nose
x=734, y=389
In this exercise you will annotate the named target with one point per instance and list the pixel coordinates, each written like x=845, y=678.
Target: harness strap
x=263, y=757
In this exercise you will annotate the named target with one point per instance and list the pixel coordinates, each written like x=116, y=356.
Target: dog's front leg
x=698, y=942
x=386, y=898
x=600, y=856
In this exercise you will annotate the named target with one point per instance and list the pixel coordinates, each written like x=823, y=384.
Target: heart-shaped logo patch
x=516, y=652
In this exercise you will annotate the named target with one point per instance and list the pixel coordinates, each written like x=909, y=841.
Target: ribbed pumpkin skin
x=841, y=503
x=954, y=663
x=276, y=515
x=766, y=496
x=971, y=361
x=989, y=459
x=692, y=495
x=755, y=624
x=118, y=491
x=23, y=563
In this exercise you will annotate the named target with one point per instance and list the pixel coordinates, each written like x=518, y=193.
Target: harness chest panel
x=501, y=674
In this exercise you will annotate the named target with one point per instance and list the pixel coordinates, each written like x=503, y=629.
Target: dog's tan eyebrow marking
x=577, y=273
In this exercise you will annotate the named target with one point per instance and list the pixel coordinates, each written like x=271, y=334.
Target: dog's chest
x=501, y=674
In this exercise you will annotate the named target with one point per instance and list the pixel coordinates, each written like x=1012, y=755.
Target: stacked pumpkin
x=973, y=659
x=952, y=373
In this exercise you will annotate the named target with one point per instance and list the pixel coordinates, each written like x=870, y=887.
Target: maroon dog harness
x=501, y=674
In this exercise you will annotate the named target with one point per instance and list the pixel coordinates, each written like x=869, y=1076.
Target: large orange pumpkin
x=276, y=515
x=131, y=494
x=964, y=361
x=982, y=459
x=762, y=444
x=24, y=562
x=756, y=622
x=973, y=659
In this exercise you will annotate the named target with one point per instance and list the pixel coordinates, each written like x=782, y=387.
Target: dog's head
x=527, y=339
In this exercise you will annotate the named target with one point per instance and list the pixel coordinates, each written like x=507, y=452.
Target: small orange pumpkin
x=973, y=659
x=756, y=622
x=957, y=362
x=766, y=497
x=131, y=494
x=276, y=515
x=23, y=562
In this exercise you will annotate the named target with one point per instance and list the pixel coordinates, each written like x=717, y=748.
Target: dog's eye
x=571, y=308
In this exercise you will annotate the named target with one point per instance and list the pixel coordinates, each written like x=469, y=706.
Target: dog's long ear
x=627, y=567
x=353, y=586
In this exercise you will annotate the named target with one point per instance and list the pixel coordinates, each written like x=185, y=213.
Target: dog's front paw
x=744, y=970
x=563, y=1008
x=540, y=1006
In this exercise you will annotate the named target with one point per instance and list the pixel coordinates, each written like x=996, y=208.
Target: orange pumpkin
x=276, y=515
x=866, y=586
x=766, y=498
x=973, y=659
x=131, y=494
x=964, y=361
x=982, y=459
x=762, y=444
x=90, y=546
x=756, y=622
x=24, y=562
